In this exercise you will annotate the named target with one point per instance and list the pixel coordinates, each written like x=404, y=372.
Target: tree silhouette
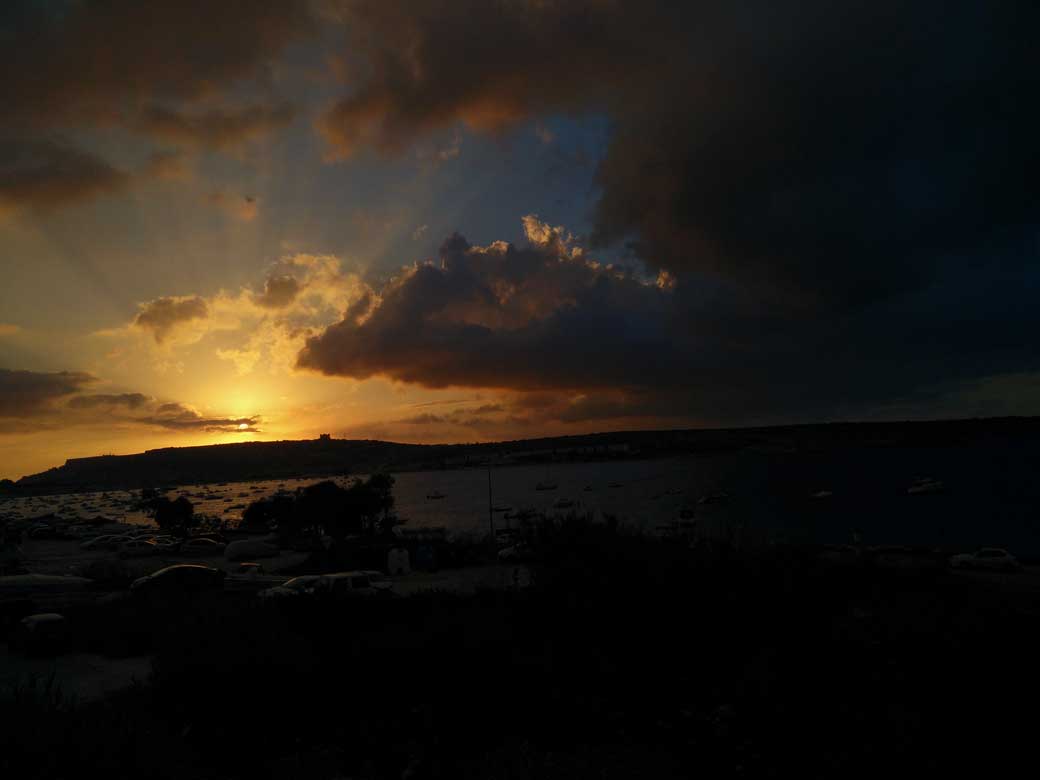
x=175, y=517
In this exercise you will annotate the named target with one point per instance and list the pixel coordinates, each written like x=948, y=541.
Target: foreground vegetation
x=629, y=657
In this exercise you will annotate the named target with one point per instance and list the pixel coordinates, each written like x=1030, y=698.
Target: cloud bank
x=24, y=393
x=165, y=70
x=834, y=152
x=37, y=400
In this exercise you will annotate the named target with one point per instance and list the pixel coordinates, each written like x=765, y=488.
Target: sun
x=243, y=426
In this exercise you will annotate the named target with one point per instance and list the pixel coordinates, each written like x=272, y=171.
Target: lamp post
x=491, y=514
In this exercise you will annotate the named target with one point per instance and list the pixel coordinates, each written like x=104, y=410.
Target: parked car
x=135, y=548
x=989, y=558
x=179, y=579
x=294, y=588
x=515, y=553
x=201, y=546
x=379, y=581
x=346, y=584
x=249, y=550
x=100, y=542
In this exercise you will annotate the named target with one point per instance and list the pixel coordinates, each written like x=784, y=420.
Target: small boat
x=522, y=515
x=436, y=494
x=507, y=536
x=713, y=498
x=563, y=503
x=926, y=486
x=501, y=508
x=822, y=494
x=545, y=486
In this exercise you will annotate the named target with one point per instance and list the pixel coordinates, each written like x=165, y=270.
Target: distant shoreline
x=327, y=457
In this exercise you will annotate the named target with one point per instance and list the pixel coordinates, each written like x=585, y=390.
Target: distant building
x=325, y=437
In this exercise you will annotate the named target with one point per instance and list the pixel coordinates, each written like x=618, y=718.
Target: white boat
x=713, y=498
x=925, y=486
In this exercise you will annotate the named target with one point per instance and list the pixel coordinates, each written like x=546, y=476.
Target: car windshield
x=300, y=583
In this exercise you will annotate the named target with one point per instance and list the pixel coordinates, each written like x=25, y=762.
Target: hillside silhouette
x=327, y=456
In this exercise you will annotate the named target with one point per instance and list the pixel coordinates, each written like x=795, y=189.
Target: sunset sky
x=470, y=220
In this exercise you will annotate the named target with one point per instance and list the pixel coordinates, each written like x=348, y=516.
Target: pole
x=491, y=514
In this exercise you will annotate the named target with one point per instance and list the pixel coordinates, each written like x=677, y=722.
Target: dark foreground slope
x=628, y=658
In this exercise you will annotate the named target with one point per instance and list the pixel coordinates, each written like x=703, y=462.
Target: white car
x=990, y=558
x=926, y=486
x=347, y=584
x=202, y=546
x=137, y=547
x=297, y=586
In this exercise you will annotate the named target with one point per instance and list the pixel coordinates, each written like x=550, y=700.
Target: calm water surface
x=992, y=495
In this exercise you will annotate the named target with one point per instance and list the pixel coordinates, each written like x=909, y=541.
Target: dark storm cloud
x=43, y=174
x=587, y=342
x=507, y=317
x=826, y=150
x=24, y=393
x=279, y=292
x=127, y=400
x=840, y=158
x=162, y=315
